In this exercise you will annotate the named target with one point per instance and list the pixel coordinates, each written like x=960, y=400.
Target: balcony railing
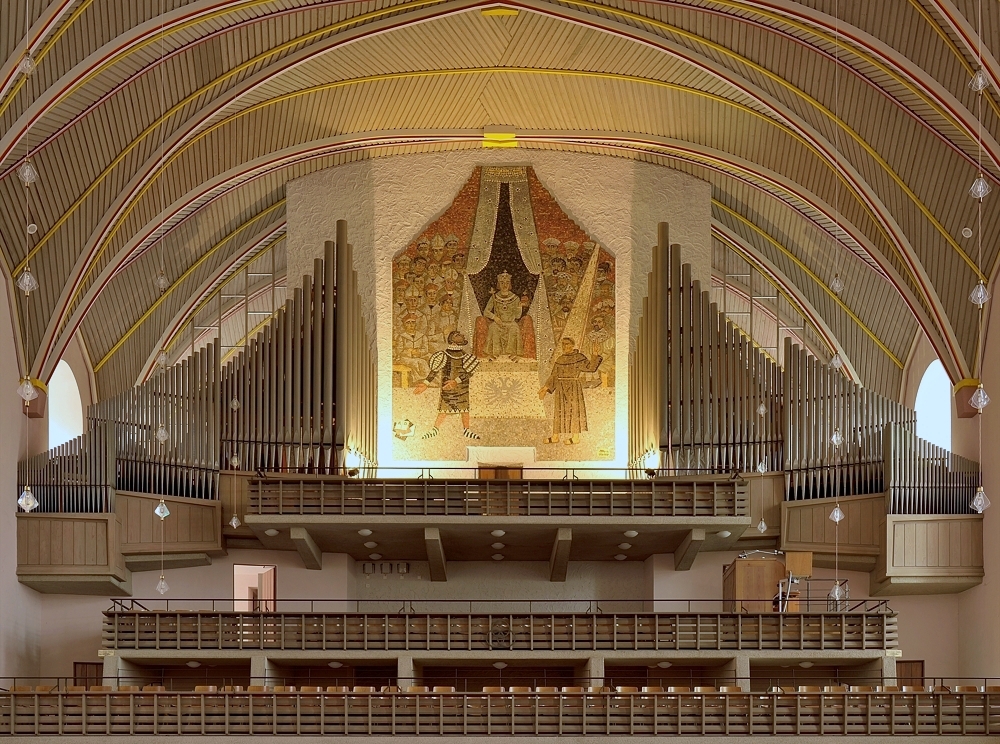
x=303, y=631
x=691, y=496
x=539, y=713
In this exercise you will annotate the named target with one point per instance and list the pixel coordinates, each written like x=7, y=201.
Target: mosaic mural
x=503, y=328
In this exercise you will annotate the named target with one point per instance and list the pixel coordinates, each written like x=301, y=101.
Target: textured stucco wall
x=387, y=201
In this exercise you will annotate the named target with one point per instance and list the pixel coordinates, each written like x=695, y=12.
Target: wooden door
x=910, y=673
x=267, y=589
x=501, y=472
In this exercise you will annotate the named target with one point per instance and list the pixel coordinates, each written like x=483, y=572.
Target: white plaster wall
x=72, y=624
x=19, y=619
x=388, y=201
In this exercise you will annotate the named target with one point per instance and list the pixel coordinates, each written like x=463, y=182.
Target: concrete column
x=405, y=672
x=739, y=670
x=593, y=671
x=118, y=671
x=262, y=671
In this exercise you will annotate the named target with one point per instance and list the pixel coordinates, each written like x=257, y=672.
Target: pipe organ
x=301, y=396
x=711, y=402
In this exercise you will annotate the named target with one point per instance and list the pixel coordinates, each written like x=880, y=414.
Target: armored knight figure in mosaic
x=455, y=367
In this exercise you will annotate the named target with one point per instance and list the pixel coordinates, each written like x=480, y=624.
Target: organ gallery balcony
x=544, y=518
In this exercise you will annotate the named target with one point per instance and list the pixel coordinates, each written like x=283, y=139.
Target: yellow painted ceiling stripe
x=183, y=103
x=812, y=275
x=211, y=295
x=427, y=73
x=50, y=42
x=201, y=259
x=777, y=79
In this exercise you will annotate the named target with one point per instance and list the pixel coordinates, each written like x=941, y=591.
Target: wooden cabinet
x=749, y=584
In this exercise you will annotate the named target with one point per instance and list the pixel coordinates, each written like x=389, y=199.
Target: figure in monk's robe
x=564, y=383
x=504, y=309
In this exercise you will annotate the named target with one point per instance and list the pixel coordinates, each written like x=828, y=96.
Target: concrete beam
x=312, y=556
x=685, y=554
x=559, y=560
x=175, y=560
x=435, y=554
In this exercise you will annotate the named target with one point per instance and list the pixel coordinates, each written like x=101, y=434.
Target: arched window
x=934, y=406
x=64, y=405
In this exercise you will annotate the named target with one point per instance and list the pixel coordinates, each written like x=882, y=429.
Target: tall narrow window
x=64, y=405
x=934, y=406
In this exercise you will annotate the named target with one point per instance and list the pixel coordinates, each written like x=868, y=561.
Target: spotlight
x=365, y=532
x=805, y=664
x=335, y=665
x=271, y=532
x=630, y=533
x=498, y=533
x=724, y=533
x=499, y=665
x=194, y=664
x=664, y=664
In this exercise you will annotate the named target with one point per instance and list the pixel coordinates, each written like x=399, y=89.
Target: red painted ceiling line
x=56, y=346
x=955, y=111
x=656, y=43
x=264, y=168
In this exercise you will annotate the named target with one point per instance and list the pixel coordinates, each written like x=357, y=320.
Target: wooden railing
x=538, y=632
x=546, y=713
x=688, y=497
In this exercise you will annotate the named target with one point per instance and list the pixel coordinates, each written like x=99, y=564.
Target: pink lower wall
x=71, y=630
x=19, y=619
x=928, y=625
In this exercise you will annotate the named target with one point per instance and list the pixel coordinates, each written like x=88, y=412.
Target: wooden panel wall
x=62, y=544
x=922, y=545
x=766, y=494
x=806, y=525
x=194, y=525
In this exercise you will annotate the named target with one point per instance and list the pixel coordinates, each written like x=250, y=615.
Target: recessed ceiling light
x=497, y=557
x=194, y=664
x=724, y=533
x=630, y=533
x=365, y=532
x=966, y=232
x=498, y=546
x=335, y=665
x=499, y=665
x=271, y=532
x=375, y=556
x=498, y=533
x=664, y=664
x=625, y=546
x=371, y=544
x=620, y=557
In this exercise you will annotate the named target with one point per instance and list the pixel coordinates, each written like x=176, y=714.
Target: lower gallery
x=536, y=369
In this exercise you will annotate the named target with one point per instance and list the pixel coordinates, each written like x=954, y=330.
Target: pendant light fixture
x=980, y=294
x=162, y=512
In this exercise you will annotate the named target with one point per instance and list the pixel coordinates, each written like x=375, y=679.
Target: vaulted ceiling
x=839, y=136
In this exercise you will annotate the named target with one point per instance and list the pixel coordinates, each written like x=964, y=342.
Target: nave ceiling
x=174, y=133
